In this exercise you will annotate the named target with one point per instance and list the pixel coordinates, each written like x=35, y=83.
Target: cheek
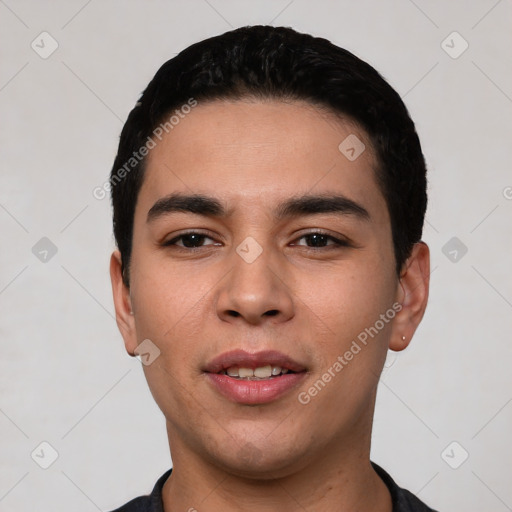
x=349, y=300
x=166, y=296
x=353, y=349
x=169, y=312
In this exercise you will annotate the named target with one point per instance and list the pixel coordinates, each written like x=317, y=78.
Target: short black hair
x=278, y=63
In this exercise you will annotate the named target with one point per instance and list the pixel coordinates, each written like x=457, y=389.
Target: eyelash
x=338, y=243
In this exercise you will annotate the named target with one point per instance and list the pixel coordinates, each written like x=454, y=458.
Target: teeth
x=245, y=372
x=262, y=372
x=276, y=370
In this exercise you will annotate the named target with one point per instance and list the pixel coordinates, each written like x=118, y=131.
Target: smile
x=254, y=378
x=262, y=372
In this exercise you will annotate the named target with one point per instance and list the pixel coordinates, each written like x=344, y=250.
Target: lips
x=253, y=379
x=244, y=359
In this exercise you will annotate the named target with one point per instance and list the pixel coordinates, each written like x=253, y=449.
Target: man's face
x=256, y=278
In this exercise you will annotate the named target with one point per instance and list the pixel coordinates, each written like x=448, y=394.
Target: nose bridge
x=253, y=290
x=251, y=267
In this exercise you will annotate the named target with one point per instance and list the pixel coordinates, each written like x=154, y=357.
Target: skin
x=252, y=155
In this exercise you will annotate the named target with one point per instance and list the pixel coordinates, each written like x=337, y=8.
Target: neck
x=335, y=480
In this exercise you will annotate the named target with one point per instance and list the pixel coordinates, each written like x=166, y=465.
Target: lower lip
x=254, y=392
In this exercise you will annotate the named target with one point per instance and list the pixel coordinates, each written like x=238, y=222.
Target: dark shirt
x=403, y=500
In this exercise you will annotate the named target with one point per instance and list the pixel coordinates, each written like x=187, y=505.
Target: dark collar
x=403, y=500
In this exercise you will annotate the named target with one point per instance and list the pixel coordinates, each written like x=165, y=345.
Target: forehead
x=256, y=153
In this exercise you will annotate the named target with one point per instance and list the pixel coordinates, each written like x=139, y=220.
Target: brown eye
x=318, y=240
x=191, y=240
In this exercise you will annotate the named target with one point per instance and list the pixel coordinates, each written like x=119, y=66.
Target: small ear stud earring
x=403, y=338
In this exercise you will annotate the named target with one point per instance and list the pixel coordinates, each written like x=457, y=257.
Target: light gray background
x=64, y=375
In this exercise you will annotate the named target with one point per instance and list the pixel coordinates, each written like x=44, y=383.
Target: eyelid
x=338, y=239
x=178, y=236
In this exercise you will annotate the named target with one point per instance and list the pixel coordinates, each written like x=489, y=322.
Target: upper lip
x=244, y=359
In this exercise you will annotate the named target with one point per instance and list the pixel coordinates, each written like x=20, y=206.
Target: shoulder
x=140, y=504
x=408, y=502
x=149, y=503
x=403, y=500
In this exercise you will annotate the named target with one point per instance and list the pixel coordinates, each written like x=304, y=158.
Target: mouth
x=253, y=379
x=269, y=371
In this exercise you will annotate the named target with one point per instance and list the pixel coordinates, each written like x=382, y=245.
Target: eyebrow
x=293, y=207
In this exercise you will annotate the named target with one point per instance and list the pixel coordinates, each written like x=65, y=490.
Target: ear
x=122, y=302
x=412, y=294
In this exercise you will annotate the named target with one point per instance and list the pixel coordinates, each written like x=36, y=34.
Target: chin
x=259, y=460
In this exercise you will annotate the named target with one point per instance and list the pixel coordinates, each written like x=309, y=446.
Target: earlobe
x=412, y=294
x=123, y=304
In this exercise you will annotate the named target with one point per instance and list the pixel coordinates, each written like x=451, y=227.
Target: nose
x=256, y=291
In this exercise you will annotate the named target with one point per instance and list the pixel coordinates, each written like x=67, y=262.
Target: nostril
x=272, y=312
